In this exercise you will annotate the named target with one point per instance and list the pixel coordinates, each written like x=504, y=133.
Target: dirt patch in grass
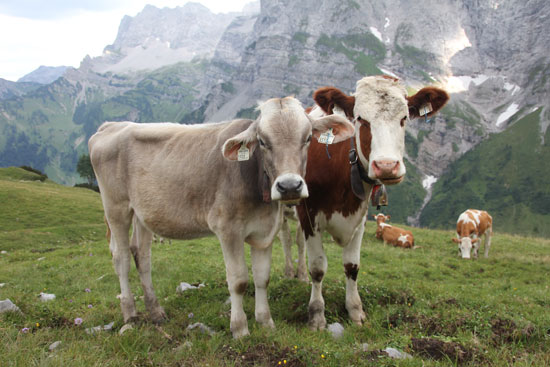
x=434, y=325
x=42, y=251
x=384, y=297
x=438, y=349
x=506, y=331
x=264, y=355
x=449, y=301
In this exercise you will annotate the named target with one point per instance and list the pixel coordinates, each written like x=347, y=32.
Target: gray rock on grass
x=8, y=306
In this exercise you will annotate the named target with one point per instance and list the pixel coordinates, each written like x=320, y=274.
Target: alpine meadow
x=481, y=66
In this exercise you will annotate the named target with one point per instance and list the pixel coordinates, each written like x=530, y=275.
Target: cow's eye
x=403, y=120
x=363, y=121
x=262, y=144
x=308, y=139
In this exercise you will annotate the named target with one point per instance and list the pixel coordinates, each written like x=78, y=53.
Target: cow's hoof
x=237, y=334
x=315, y=325
x=131, y=320
x=358, y=320
x=268, y=324
x=317, y=322
x=303, y=277
x=158, y=316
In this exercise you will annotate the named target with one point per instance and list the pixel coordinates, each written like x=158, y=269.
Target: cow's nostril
x=289, y=186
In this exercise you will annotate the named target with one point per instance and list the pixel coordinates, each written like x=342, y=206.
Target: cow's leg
x=286, y=240
x=141, y=250
x=488, y=235
x=237, y=281
x=300, y=241
x=351, y=257
x=317, y=262
x=475, y=246
x=261, y=267
x=120, y=249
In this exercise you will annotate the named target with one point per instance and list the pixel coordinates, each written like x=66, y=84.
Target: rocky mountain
x=44, y=74
x=159, y=37
x=9, y=89
x=189, y=65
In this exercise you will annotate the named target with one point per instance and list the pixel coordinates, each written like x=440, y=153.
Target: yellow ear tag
x=243, y=154
x=326, y=137
x=426, y=109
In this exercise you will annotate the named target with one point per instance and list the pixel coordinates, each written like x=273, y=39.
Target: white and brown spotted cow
x=338, y=199
x=188, y=181
x=392, y=235
x=471, y=225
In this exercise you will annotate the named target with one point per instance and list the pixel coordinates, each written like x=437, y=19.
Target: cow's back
x=473, y=221
x=485, y=223
x=172, y=176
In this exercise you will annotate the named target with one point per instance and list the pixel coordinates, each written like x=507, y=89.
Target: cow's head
x=465, y=245
x=381, y=218
x=381, y=108
x=283, y=132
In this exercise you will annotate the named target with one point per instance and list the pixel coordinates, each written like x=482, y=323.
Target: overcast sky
x=63, y=32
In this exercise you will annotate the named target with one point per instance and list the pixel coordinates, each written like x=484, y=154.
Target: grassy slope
x=54, y=240
x=506, y=175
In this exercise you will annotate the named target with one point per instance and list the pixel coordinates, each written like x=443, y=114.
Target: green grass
x=495, y=308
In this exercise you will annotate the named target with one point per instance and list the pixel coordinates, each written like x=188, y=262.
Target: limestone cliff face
x=490, y=56
x=159, y=37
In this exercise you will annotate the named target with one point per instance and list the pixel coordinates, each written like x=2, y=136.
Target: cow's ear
x=454, y=239
x=388, y=217
x=428, y=99
x=475, y=240
x=342, y=129
x=328, y=97
x=247, y=138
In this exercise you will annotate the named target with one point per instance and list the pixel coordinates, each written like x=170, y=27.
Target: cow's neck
x=359, y=176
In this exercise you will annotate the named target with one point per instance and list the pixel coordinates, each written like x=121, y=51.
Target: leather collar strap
x=358, y=173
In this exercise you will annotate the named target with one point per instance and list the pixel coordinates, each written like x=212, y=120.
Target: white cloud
x=63, y=32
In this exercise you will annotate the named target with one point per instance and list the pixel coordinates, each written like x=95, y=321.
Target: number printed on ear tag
x=243, y=154
x=326, y=137
x=426, y=109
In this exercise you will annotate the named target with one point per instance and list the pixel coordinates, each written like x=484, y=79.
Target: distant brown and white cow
x=392, y=235
x=471, y=225
x=337, y=202
x=173, y=180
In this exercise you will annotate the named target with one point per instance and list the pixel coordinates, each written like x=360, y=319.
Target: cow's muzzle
x=289, y=188
x=387, y=171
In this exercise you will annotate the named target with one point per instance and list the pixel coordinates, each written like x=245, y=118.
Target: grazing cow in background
x=173, y=180
x=392, y=235
x=286, y=240
x=340, y=176
x=471, y=225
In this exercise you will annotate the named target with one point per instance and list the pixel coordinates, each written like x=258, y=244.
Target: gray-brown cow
x=173, y=180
